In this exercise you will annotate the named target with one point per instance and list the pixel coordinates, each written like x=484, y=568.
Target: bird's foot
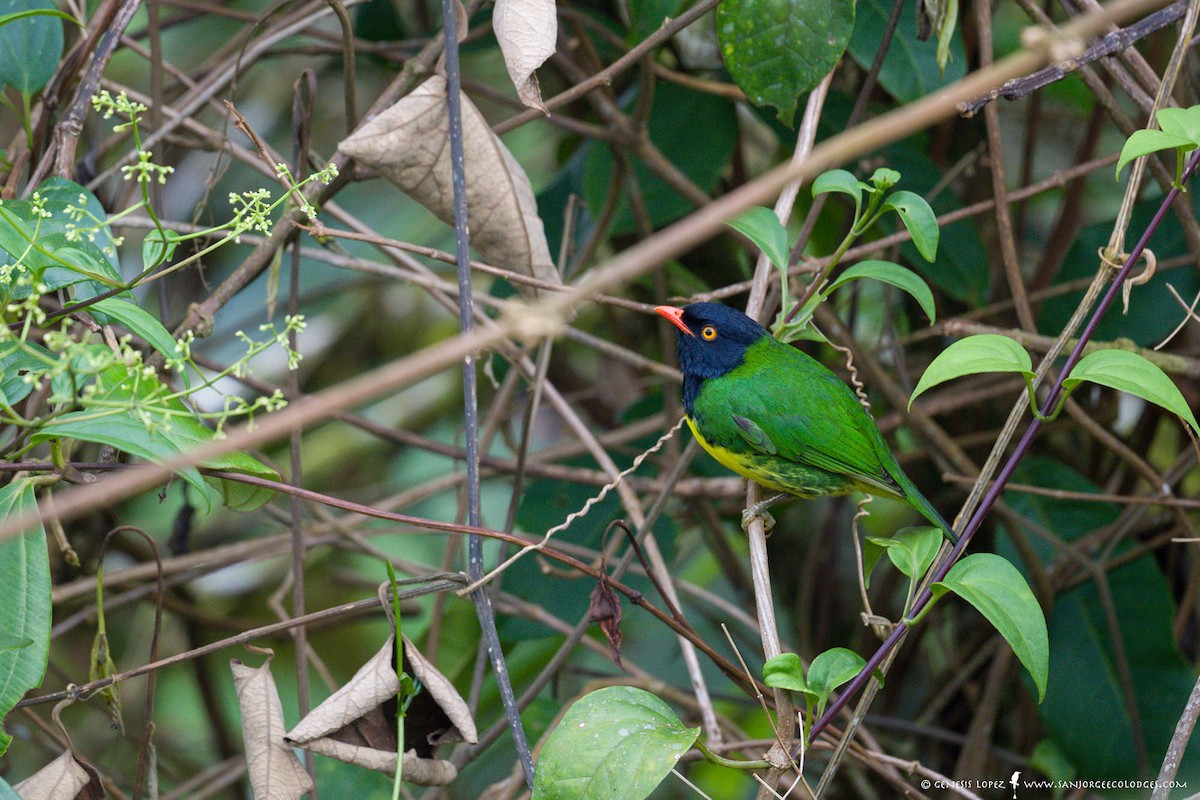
x=749, y=514
x=759, y=509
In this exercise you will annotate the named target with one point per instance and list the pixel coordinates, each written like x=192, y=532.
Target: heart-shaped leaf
x=614, y=742
x=920, y=220
x=761, y=226
x=987, y=352
x=995, y=587
x=1128, y=372
x=831, y=669
x=913, y=549
x=895, y=275
x=776, y=50
x=785, y=671
x=839, y=180
x=32, y=42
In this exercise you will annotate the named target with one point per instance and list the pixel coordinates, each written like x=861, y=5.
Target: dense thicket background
x=666, y=134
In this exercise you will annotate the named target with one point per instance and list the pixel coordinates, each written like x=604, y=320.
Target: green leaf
x=872, y=552
x=16, y=15
x=1093, y=722
x=8, y=644
x=613, y=742
x=188, y=433
x=16, y=359
x=776, y=50
x=912, y=549
x=839, y=180
x=895, y=275
x=60, y=193
x=1144, y=142
x=141, y=322
x=998, y=591
x=126, y=432
x=155, y=251
x=910, y=69
x=32, y=44
x=235, y=494
x=884, y=178
x=987, y=352
x=1183, y=122
x=159, y=429
x=79, y=265
x=761, y=226
x=920, y=220
x=46, y=251
x=19, y=228
x=785, y=671
x=831, y=669
x=1131, y=373
x=25, y=610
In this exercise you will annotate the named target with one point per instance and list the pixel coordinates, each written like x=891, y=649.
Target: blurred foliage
x=1122, y=609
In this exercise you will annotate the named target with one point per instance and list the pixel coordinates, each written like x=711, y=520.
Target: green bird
x=776, y=416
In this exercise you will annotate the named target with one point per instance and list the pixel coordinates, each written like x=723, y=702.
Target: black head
x=712, y=342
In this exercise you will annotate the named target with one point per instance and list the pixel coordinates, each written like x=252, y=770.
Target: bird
x=772, y=414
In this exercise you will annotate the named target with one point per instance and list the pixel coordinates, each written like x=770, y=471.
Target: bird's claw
x=757, y=510
x=760, y=510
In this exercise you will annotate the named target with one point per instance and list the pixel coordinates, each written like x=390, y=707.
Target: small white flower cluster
x=251, y=212
x=145, y=170
x=324, y=176
x=107, y=105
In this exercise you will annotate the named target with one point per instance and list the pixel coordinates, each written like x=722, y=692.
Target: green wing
x=787, y=405
x=754, y=436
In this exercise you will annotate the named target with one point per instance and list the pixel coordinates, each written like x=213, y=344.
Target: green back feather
x=783, y=404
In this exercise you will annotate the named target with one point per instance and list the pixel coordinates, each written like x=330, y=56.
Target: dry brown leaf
x=604, y=607
x=526, y=30
x=417, y=770
x=275, y=772
x=61, y=779
x=409, y=145
x=357, y=724
x=449, y=701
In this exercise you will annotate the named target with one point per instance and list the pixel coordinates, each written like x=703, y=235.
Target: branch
x=1114, y=42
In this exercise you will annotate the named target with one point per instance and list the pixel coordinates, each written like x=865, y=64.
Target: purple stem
x=993, y=493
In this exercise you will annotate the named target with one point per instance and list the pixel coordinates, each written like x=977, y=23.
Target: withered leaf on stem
x=409, y=144
x=64, y=778
x=604, y=607
x=274, y=770
x=526, y=30
x=357, y=724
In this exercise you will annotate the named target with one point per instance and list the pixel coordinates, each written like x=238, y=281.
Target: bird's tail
x=922, y=504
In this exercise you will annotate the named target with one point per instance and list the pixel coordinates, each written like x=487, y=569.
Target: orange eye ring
x=708, y=332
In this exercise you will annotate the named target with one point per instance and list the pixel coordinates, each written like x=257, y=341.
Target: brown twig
x=1107, y=45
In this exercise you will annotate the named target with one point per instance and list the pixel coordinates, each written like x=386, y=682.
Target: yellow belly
x=741, y=464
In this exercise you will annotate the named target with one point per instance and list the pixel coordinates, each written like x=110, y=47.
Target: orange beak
x=675, y=316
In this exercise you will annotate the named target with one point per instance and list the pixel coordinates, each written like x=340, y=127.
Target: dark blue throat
x=691, y=390
x=700, y=361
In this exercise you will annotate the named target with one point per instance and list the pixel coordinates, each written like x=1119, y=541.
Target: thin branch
x=1112, y=43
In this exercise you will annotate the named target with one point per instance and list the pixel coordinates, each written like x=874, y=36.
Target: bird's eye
x=708, y=332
